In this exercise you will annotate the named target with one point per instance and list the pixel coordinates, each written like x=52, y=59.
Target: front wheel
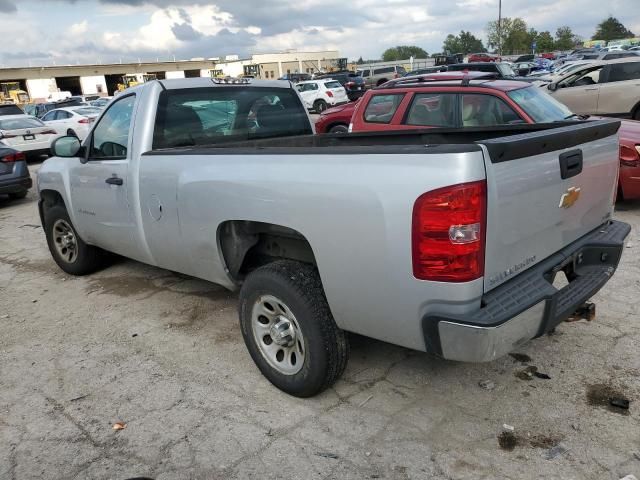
x=67, y=248
x=288, y=328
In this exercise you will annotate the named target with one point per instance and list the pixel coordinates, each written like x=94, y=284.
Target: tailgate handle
x=570, y=163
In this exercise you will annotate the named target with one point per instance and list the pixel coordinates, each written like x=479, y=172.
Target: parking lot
x=163, y=354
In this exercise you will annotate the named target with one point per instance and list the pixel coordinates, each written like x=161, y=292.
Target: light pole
x=500, y=27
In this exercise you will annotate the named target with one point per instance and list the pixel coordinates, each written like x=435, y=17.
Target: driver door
x=100, y=186
x=580, y=91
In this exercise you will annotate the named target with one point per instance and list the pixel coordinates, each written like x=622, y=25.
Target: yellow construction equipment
x=128, y=81
x=10, y=92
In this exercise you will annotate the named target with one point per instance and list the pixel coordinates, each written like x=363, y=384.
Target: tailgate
x=545, y=190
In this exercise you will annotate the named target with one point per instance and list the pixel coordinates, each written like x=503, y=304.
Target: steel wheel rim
x=64, y=238
x=277, y=335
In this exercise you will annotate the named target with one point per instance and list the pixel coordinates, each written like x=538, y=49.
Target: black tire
x=326, y=346
x=319, y=106
x=88, y=259
x=339, y=129
x=72, y=133
x=18, y=196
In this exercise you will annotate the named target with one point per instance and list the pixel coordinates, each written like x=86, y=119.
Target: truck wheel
x=339, y=129
x=67, y=248
x=289, y=330
x=319, y=106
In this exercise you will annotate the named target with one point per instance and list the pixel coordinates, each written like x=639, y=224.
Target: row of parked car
x=23, y=135
x=469, y=99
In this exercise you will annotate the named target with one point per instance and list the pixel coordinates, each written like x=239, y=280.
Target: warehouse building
x=43, y=83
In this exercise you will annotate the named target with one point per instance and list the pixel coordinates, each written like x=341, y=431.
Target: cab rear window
x=382, y=108
x=209, y=116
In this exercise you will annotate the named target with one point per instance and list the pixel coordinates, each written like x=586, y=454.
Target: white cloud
x=79, y=28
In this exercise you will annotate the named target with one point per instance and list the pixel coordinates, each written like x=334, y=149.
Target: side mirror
x=66, y=147
x=552, y=87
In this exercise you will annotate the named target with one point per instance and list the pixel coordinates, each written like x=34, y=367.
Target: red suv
x=471, y=99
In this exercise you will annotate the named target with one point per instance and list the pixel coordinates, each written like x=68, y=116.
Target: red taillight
x=84, y=120
x=329, y=93
x=13, y=157
x=448, y=233
x=630, y=156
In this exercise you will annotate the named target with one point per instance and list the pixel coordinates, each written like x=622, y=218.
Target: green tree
x=565, y=38
x=403, y=52
x=545, y=42
x=611, y=29
x=465, y=43
x=360, y=61
x=513, y=35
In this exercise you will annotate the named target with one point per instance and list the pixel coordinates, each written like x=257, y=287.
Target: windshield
x=506, y=70
x=20, y=123
x=539, y=105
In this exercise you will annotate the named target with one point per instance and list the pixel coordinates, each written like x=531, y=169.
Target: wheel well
x=247, y=245
x=49, y=198
x=337, y=124
x=381, y=81
x=635, y=110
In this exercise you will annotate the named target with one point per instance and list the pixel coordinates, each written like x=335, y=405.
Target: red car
x=548, y=56
x=483, y=57
x=456, y=100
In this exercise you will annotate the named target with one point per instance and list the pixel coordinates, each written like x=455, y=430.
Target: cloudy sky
x=97, y=31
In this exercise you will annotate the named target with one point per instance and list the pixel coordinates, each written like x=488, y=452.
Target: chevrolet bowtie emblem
x=570, y=197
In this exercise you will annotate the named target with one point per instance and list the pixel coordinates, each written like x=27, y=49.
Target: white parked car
x=26, y=134
x=74, y=121
x=319, y=94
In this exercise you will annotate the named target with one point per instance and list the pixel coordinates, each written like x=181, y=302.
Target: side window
x=432, y=110
x=49, y=116
x=365, y=73
x=63, y=115
x=380, y=71
x=381, y=108
x=111, y=135
x=487, y=110
x=620, y=72
x=583, y=78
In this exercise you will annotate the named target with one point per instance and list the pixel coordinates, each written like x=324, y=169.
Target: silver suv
x=376, y=76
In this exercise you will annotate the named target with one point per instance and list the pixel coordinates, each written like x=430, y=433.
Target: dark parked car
x=353, y=83
x=502, y=70
x=14, y=174
x=424, y=71
x=40, y=109
x=10, y=109
x=296, y=77
x=525, y=58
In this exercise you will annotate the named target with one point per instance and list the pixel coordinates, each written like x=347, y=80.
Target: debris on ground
x=507, y=427
x=526, y=373
x=508, y=440
x=365, y=401
x=636, y=455
x=520, y=357
x=487, y=384
x=556, y=451
x=585, y=312
x=544, y=376
x=619, y=403
x=119, y=426
x=327, y=455
x=79, y=398
x=544, y=441
x=602, y=395
x=629, y=477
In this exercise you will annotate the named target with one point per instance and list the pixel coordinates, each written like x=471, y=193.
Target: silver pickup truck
x=446, y=241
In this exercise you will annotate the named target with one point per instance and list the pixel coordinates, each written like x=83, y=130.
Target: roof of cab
x=201, y=82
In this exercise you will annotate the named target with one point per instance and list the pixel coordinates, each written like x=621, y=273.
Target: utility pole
x=500, y=27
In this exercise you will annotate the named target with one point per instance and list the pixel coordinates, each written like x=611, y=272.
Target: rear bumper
x=529, y=305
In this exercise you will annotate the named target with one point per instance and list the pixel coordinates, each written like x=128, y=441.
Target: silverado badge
x=570, y=197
